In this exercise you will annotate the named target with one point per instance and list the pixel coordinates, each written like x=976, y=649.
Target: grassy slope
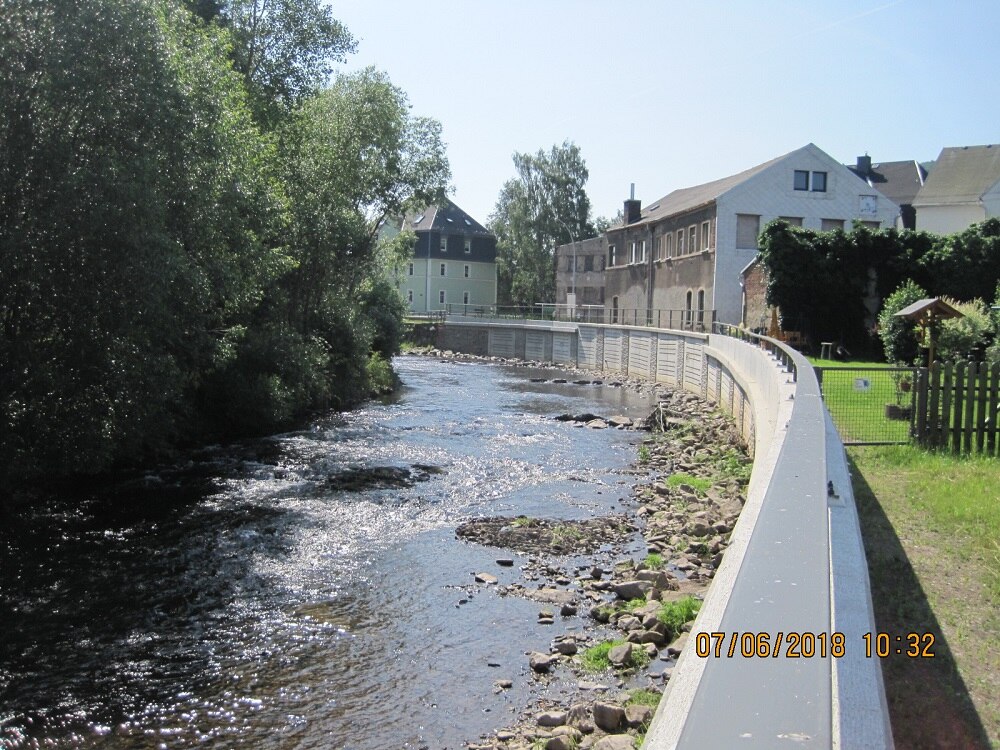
x=931, y=525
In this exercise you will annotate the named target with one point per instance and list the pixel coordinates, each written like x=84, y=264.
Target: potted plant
x=903, y=380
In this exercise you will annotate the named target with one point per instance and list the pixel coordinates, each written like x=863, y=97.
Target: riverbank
x=619, y=623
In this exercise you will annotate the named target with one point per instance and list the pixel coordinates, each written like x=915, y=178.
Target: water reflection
x=243, y=598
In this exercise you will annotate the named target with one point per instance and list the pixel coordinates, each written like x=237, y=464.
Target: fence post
x=970, y=406
x=981, y=383
x=956, y=423
x=993, y=408
x=920, y=410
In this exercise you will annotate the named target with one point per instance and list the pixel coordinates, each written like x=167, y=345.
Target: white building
x=962, y=189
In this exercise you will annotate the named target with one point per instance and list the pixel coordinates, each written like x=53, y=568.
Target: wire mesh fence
x=870, y=405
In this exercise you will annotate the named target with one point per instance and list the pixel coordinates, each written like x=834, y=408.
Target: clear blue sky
x=671, y=94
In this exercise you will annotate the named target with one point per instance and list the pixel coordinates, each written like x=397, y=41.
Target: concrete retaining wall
x=795, y=568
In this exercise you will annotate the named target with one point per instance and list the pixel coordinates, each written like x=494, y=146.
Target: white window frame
x=468, y=246
x=706, y=239
x=442, y=297
x=680, y=242
x=444, y=269
x=444, y=243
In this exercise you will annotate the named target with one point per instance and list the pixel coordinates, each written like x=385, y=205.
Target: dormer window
x=444, y=244
x=468, y=246
x=801, y=179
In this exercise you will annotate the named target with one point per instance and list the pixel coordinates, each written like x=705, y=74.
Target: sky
x=674, y=93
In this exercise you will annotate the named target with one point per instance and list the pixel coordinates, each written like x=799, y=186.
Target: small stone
x=505, y=562
x=546, y=620
x=596, y=573
x=597, y=424
x=551, y=719
x=632, y=589
x=485, y=578
x=567, y=610
x=505, y=684
x=608, y=716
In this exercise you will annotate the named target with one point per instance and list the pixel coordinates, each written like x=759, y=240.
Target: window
x=818, y=182
x=611, y=255
x=444, y=245
x=409, y=296
x=828, y=225
x=688, y=299
x=747, y=230
x=468, y=246
x=692, y=239
x=466, y=270
x=444, y=269
x=706, y=237
x=410, y=272
x=656, y=247
x=680, y=242
x=795, y=221
x=441, y=296
x=614, y=309
x=871, y=224
x=642, y=251
x=801, y=181
x=465, y=298
x=632, y=252
x=668, y=249
x=701, y=306
x=588, y=262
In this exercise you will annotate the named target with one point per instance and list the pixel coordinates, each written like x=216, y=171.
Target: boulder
x=621, y=656
x=632, y=589
x=614, y=742
x=485, y=578
x=566, y=648
x=608, y=716
x=551, y=719
x=678, y=645
x=560, y=742
x=637, y=716
x=541, y=662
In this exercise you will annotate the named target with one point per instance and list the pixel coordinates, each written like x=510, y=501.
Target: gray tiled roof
x=961, y=175
x=446, y=217
x=899, y=181
x=686, y=199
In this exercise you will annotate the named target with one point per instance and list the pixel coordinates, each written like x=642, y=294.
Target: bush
x=899, y=338
x=962, y=338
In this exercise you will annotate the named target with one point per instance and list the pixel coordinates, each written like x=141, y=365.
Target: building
x=680, y=260
x=454, y=262
x=580, y=271
x=962, y=189
x=899, y=181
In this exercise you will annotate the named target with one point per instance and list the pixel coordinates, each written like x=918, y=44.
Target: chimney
x=864, y=167
x=632, y=207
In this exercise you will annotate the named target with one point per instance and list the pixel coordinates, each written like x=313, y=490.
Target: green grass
x=961, y=494
x=654, y=561
x=643, y=697
x=675, y=614
x=698, y=484
x=858, y=408
x=644, y=454
x=595, y=658
x=524, y=522
x=931, y=525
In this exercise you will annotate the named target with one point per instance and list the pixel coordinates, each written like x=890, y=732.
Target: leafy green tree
x=965, y=337
x=899, y=336
x=544, y=206
x=133, y=198
x=285, y=50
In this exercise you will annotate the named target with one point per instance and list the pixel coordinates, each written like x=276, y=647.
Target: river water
x=249, y=597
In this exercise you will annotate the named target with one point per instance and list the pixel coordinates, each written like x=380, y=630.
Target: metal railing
x=780, y=351
x=677, y=319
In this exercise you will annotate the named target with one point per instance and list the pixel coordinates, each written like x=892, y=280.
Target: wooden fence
x=958, y=406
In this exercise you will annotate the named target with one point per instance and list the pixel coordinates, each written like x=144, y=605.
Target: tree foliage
x=899, y=336
x=172, y=264
x=822, y=280
x=545, y=205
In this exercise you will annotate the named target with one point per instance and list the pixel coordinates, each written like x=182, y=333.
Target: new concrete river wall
x=784, y=621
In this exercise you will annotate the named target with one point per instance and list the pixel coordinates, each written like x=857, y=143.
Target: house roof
x=690, y=198
x=445, y=217
x=961, y=175
x=899, y=181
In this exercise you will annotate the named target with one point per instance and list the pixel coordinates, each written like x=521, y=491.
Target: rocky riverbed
x=618, y=623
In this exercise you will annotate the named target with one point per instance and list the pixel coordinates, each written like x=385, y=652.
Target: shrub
x=675, y=614
x=899, y=339
x=959, y=338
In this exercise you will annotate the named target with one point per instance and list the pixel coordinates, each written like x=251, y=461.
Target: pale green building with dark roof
x=454, y=262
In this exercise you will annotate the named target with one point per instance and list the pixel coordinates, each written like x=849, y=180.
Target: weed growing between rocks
x=675, y=615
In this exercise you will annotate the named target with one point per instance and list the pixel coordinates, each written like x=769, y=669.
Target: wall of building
x=589, y=284
x=422, y=289
x=948, y=219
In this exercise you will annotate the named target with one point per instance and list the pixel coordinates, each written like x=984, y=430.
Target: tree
x=544, y=206
x=133, y=198
x=284, y=49
x=899, y=336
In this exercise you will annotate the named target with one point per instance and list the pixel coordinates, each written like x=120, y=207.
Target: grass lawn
x=857, y=400
x=931, y=526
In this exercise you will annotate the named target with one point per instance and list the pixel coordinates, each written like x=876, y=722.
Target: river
x=251, y=597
